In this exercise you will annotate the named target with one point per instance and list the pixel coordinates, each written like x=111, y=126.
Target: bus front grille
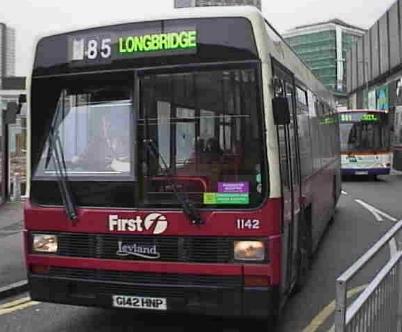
x=152, y=248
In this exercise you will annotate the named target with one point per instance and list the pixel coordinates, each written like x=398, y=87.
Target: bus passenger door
x=290, y=178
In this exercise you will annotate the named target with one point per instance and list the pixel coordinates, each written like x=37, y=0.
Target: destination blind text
x=158, y=42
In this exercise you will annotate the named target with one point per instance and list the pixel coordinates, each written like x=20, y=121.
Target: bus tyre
x=304, y=253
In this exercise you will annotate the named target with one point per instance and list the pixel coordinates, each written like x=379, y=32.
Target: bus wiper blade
x=56, y=152
x=188, y=207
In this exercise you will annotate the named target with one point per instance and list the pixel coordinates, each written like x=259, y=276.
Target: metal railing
x=379, y=306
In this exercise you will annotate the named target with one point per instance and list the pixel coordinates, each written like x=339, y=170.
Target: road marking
x=378, y=214
x=18, y=307
x=15, y=303
x=393, y=249
x=344, y=193
x=325, y=313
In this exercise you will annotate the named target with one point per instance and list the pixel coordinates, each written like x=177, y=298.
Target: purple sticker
x=233, y=187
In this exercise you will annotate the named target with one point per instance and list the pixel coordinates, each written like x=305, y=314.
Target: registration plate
x=138, y=302
x=361, y=173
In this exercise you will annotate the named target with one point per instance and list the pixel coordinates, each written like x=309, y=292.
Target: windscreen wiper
x=55, y=152
x=188, y=207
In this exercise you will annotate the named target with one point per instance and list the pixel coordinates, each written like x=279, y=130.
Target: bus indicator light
x=257, y=281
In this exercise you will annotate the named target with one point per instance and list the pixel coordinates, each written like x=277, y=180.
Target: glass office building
x=7, y=50
x=323, y=47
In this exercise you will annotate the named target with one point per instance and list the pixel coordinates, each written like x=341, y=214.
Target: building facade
x=374, y=63
x=202, y=3
x=12, y=138
x=374, y=72
x=323, y=47
x=7, y=51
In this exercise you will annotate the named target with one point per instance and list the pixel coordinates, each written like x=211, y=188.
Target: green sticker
x=226, y=198
x=209, y=198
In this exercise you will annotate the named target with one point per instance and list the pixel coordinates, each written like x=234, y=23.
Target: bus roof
x=268, y=41
x=249, y=12
x=362, y=110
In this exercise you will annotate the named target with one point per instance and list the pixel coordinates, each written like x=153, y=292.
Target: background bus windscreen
x=362, y=131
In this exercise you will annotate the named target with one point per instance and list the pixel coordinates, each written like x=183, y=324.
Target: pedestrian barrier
x=379, y=306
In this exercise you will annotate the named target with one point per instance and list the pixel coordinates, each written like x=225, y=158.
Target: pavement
x=12, y=268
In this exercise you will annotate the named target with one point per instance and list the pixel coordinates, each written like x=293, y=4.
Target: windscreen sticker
x=226, y=198
x=233, y=187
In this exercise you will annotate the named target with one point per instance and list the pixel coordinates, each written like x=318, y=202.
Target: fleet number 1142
x=248, y=224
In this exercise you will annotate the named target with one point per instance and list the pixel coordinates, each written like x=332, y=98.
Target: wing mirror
x=280, y=106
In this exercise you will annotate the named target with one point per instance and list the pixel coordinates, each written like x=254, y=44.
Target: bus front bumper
x=366, y=171
x=247, y=302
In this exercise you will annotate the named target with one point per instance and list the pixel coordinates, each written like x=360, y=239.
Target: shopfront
x=12, y=138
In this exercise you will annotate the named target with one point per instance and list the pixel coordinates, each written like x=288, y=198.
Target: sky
x=35, y=18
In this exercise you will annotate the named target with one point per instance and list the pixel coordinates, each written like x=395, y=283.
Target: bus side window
x=306, y=164
x=290, y=93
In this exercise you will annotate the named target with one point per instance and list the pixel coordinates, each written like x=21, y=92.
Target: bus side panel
x=397, y=158
x=321, y=191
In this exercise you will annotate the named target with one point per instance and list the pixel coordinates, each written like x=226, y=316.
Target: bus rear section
x=365, y=142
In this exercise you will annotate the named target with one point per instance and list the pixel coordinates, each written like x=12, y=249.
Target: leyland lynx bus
x=365, y=142
x=186, y=163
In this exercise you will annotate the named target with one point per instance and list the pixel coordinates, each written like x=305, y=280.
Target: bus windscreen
x=364, y=132
x=206, y=128
x=92, y=125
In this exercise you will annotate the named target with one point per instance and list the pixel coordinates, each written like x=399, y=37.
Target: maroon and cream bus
x=186, y=163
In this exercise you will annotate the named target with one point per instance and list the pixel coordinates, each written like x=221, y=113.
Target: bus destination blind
x=359, y=117
x=104, y=48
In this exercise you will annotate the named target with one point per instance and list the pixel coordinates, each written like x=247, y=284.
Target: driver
x=107, y=150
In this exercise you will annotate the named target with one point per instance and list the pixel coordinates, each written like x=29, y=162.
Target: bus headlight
x=249, y=250
x=44, y=243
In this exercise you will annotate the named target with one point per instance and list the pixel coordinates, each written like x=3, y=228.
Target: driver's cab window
x=92, y=132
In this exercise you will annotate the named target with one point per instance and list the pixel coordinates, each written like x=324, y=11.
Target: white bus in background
x=365, y=142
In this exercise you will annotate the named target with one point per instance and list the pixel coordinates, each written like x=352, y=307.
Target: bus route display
x=146, y=44
x=359, y=117
x=110, y=46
